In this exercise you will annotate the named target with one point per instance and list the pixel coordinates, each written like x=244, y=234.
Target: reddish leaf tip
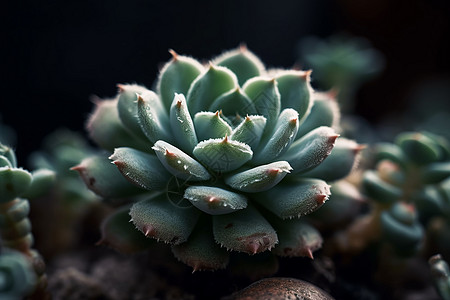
x=119, y=164
x=253, y=247
x=79, y=168
x=308, y=252
x=140, y=99
x=332, y=93
x=306, y=74
x=320, y=199
x=359, y=148
x=243, y=47
x=121, y=88
x=149, y=230
x=225, y=139
x=333, y=138
x=293, y=121
x=174, y=54
x=170, y=154
x=274, y=171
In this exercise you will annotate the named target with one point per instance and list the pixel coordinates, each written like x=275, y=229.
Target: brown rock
x=280, y=289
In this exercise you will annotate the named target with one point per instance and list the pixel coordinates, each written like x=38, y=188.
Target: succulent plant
x=17, y=277
x=69, y=201
x=226, y=156
x=342, y=63
x=15, y=227
x=410, y=186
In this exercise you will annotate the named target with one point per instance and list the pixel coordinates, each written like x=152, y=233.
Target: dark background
x=56, y=54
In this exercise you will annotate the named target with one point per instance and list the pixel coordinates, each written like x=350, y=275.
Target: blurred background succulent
x=410, y=186
x=17, y=277
x=68, y=203
x=342, y=63
x=406, y=217
x=15, y=226
x=226, y=156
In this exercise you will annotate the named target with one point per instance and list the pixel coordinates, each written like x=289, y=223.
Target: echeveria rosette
x=222, y=150
x=410, y=186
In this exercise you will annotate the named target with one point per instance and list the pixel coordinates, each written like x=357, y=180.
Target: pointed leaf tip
x=258, y=179
x=174, y=54
x=140, y=168
x=215, y=201
x=223, y=155
x=179, y=163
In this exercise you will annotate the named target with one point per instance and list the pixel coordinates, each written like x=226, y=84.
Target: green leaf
x=391, y=152
x=244, y=231
x=419, y=148
x=182, y=125
x=179, y=163
x=119, y=233
x=436, y=172
x=343, y=206
x=4, y=162
x=378, y=189
x=242, y=62
x=13, y=183
x=309, y=151
x=282, y=138
x=17, y=273
x=128, y=109
x=15, y=231
x=106, y=129
x=234, y=103
x=140, y=168
x=209, y=125
x=297, y=238
x=104, y=179
x=214, y=200
x=429, y=202
x=260, y=178
x=208, y=87
x=266, y=99
x=249, y=131
x=391, y=172
x=222, y=155
x=18, y=211
x=406, y=237
x=295, y=198
x=8, y=154
x=153, y=122
x=324, y=112
x=176, y=77
x=200, y=251
x=43, y=180
x=163, y=220
x=342, y=160
x=442, y=143
x=295, y=91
